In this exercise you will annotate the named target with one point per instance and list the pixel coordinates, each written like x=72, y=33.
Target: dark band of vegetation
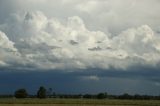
x=44, y=96
x=44, y=93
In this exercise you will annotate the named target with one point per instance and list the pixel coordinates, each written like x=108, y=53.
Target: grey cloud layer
x=113, y=15
x=64, y=34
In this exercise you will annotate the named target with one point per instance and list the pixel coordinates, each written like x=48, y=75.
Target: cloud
x=2, y=63
x=116, y=15
x=112, y=15
x=7, y=49
x=48, y=43
x=90, y=78
x=5, y=43
x=157, y=84
x=81, y=35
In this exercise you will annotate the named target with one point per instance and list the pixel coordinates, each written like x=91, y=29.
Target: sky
x=80, y=46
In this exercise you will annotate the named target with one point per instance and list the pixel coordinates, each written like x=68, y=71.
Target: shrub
x=21, y=93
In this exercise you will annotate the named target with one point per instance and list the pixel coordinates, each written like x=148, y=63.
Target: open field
x=65, y=105
x=77, y=102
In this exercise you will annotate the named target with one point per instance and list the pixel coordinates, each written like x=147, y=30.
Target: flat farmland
x=77, y=102
x=66, y=105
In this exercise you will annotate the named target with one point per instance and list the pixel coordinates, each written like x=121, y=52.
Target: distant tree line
x=22, y=93
x=42, y=93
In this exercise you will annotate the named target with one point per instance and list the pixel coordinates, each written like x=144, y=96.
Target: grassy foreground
x=83, y=101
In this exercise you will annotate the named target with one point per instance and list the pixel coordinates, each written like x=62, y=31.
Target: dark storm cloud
x=113, y=82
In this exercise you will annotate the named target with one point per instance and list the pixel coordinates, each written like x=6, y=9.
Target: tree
x=21, y=93
x=102, y=95
x=125, y=96
x=41, y=92
x=88, y=96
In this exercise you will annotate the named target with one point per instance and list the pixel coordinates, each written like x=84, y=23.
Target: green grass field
x=83, y=102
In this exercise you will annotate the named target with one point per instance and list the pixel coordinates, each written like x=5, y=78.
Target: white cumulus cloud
x=44, y=42
x=5, y=43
